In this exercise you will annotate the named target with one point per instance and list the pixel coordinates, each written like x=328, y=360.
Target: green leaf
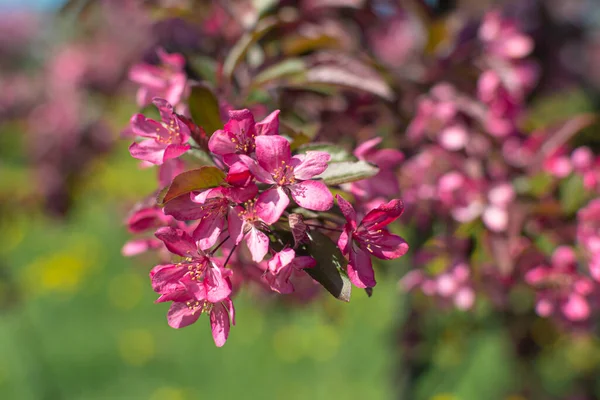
x=286, y=68
x=331, y=263
x=205, y=67
x=348, y=171
x=337, y=153
x=572, y=194
x=340, y=70
x=239, y=50
x=196, y=179
x=204, y=109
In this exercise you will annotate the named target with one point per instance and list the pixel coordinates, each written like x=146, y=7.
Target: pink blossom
x=165, y=140
x=281, y=267
x=187, y=311
x=197, y=275
x=560, y=288
x=453, y=285
x=370, y=237
x=502, y=38
x=143, y=219
x=239, y=133
x=288, y=174
x=211, y=207
x=586, y=165
x=385, y=183
x=166, y=80
x=245, y=224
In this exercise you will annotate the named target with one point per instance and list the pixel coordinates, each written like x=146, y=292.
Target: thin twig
x=324, y=227
x=219, y=245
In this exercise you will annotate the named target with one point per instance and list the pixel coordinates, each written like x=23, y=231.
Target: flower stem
x=219, y=245
x=229, y=256
x=324, y=227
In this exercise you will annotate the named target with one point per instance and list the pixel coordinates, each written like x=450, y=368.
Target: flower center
x=173, y=133
x=201, y=306
x=284, y=175
x=244, y=143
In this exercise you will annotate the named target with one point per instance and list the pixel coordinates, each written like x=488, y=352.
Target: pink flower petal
x=175, y=150
x=312, y=195
x=388, y=246
x=312, y=164
x=222, y=143
x=219, y=323
x=271, y=204
x=347, y=210
x=257, y=171
x=366, y=148
x=177, y=241
x=272, y=152
x=269, y=125
x=180, y=315
x=360, y=269
x=217, y=284
x=258, y=244
x=209, y=229
x=383, y=215
x=145, y=127
x=148, y=150
x=236, y=224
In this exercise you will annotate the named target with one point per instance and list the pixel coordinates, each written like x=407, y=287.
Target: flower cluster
x=256, y=192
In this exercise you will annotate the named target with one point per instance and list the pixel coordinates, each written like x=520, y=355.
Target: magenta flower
x=453, y=285
x=186, y=312
x=370, y=237
x=245, y=224
x=385, y=183
x=211, y=207
x=502, y=38
x=165, y=140
x=281, y=267
x=239, y=133
x=167, y=80
x=197, y=275
x=288, y=174
x=560, y=288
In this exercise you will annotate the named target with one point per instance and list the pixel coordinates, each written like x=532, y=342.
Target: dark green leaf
x=204, y=108
x=331, y=264
x=348, y=171
x=196, y=179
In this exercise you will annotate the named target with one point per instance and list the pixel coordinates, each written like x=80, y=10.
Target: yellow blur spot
x=583, y=353
x=59, y=273
x=444, y=396
x=325, y=343
x=125, y=291
x=136, y=347
x=286, y=344
x=168, y=393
